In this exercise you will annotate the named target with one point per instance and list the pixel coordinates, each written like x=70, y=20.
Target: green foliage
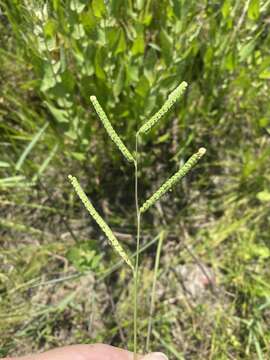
x=54, y=56
x=85, y=257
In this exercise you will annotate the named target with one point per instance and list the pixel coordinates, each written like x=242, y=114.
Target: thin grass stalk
x=153, y=292
x=136, y=271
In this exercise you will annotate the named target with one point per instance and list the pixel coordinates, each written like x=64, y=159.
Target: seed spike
x=101, y=223
x=172, y=98
x=192, y=161
x=110, y=130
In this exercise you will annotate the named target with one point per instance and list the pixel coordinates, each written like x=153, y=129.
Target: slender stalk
x=136, y=271
x=153, y=292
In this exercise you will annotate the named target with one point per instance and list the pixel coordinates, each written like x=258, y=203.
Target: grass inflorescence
x=53, y=272
x=173, y=180
x=110, y=130
x=172, y=98
x=102, y=224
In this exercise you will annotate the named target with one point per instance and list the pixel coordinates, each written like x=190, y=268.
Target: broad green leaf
x=132, y=74
x=254, y=9
x=138, y=44
x=265, y=74
x=163, y=138
x=166, y=47
x=68, y=80
x=56, y=4
x=247, y=49
x=78, y=32
x=78, y=156
x=140, y=4
x=143, y=87
x=230, y=61
x=85, y=257
x=119, y=82
x=63, y=59
x=208, y=56
x=264, y=121
x=60, y=116
x=99, y=8
x=99, y=62
x=226, y=9
x=121, y=44
x=263, y=196
x=150, y=62
x=50, y=28
x=177, y=8
x=147, y=18
x=88, y=21
x=49, y=79
x=77, y=6
x=112, y=37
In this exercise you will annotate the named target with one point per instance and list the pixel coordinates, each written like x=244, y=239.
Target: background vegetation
x=60, y=282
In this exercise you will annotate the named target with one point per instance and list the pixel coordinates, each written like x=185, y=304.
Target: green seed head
x=110, y=130
x=102, y=224
x=192, y=161
x=172, y=98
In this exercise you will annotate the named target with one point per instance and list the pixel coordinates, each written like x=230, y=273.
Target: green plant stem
x=153, y=292
x=136, y=271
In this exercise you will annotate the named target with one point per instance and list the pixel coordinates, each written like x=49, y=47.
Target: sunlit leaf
x=138, y=44
x=99, y=8
x=77, y=5
x=254, y=9
x=263, y=196
x=60, y=115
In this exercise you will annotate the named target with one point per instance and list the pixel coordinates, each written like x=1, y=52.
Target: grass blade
x=45, y=163
x=30, y=146
x=168, y=346
x=13, y=181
